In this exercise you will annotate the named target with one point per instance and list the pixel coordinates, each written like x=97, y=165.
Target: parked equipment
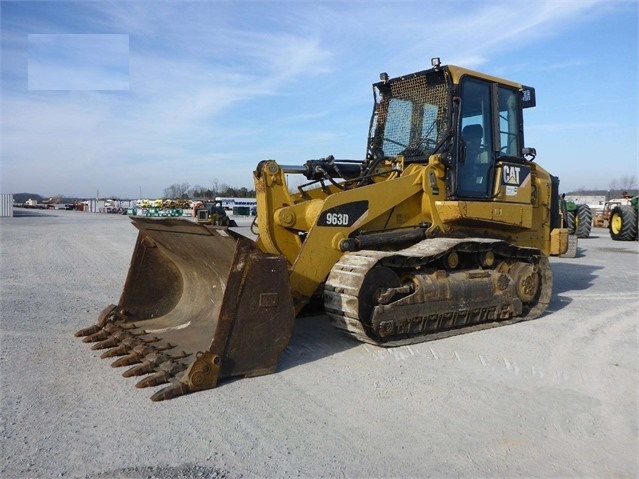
x=623, y=221
x=579, y=219
x=445, y=227
x=213, y=214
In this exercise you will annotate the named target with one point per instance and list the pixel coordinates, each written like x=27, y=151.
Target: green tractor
x=623, y=221
x=578, y=219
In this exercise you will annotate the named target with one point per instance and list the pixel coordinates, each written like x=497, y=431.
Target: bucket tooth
x=102, y=320
x=110, y=342
x=176, y=389
x=128, y=360
x=121, y=331
x=149, y=363
x=130, y=343
x=120, y=350
x=136, y=354
x=156, y=379
x=95, y=337
x=200, y=374
x=144, y=368
x=134, y=342
x=116, y=337
x=88, y=331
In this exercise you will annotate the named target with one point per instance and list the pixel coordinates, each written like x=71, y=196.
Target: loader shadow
x=569, y=276
x=314, y=338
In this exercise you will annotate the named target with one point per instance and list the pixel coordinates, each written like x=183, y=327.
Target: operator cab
x=475, y=121
x=490, y=134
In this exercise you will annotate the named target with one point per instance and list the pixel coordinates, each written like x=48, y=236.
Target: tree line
x=186, y=191
x=616, y=188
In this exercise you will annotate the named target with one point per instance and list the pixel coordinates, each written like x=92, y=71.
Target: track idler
x=199, y=304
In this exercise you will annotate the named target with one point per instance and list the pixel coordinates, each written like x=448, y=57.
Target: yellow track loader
x=445, y=227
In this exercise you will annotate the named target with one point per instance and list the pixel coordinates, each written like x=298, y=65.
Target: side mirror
x=529, y=152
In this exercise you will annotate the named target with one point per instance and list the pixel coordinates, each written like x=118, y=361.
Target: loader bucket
x=200, y=303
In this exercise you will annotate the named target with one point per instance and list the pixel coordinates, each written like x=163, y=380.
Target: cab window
x=509, y=123
x=397, y=129
x=475, y=162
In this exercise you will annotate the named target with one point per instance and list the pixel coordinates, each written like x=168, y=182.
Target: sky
x=125, y=98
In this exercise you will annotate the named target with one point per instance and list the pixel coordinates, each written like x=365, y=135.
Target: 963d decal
x=343, y=215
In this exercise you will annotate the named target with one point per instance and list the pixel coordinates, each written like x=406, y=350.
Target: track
x=437, y=288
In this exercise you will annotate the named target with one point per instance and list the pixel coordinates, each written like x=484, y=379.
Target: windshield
x=410, y=116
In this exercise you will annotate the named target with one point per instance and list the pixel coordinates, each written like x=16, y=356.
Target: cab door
x=513, y=175
x=489, y=143
x=476, y=158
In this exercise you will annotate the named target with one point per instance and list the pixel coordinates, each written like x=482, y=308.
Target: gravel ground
x=557, y=396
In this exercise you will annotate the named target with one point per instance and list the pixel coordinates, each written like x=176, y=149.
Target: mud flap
x=200, y=303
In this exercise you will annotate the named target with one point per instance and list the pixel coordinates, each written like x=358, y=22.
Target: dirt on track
x=557, y=396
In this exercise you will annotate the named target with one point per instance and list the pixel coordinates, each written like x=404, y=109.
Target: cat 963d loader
x=445, y=227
